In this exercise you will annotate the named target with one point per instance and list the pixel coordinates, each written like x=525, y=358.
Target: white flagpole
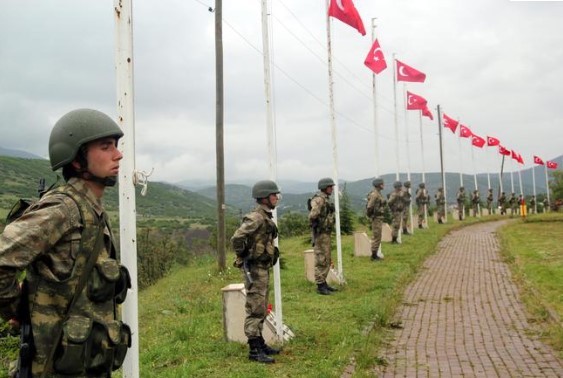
x=520, y=180
x=423, y=165
x=443, y=173
x=334, y=150
x=408, y=154
x=475, y=176
x=547, y=189
x=500, y=176
x=397, y=156
x=460, y=154
x=272, y=159
x=123, y=17
x=534, y=188
x=511, y=175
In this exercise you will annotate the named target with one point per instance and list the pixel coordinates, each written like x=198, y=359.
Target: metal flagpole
x=395, y=116
x=547, y=189
x=475, y=177
x=511, y=176
x=460, y=155
x=534, y=189
x=423, y=166
x=123, y=17
x=520, y=181
x=438, y=112
x=500, y=175
x=334, y=150
x=272, y=163
x=408, y=155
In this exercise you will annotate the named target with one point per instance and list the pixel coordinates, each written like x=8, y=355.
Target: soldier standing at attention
x=475, y=199
x=253, y=243
x=545, y=205
x=74, y=281
x=422, y=200
x=321, y=219
x=375, y=209
x=513, y=202
x=440, y=204
x=406, y=196
x=533, y=208
x=490, y=201
x=460, y=197
x=397, y=206
x=502, y=203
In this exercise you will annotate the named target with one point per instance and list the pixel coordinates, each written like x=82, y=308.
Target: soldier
x=460, y=197
x=406, y=196
x=422, y=200
x=321, y=219
x=74, y=281
x=533, y=205
x=545, y=205
x=512, y=201
x=440, y=204
x=375, y=210
x=397, y=206
x=253, y=243
x=475, y=199
x=502, y=203
x=490, y=201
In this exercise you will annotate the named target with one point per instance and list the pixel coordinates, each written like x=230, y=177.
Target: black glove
x=276, y=255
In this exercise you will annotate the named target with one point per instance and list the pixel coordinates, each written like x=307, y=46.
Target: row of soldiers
x=513, y=203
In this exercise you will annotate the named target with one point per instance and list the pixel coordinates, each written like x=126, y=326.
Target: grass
x=534, y=251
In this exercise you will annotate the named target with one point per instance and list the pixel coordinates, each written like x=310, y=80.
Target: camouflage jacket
x=321, y=216
x=51, y=242
x=255, y=237
x=461, y=197
x=439, y=197
x=421, y=197
x=376, y=204
x=396, y=202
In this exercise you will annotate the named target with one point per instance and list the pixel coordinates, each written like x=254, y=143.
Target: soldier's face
x=329, y=190
x=103, y=157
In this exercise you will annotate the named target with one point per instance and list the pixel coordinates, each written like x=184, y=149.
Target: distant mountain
x=18, y=154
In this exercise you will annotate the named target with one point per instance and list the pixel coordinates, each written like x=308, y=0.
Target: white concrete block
x=362, y=244
x=386, y=233
x=310, y=265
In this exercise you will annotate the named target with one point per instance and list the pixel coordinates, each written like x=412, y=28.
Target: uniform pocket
x=107, y=347
x=122, y=285
x=102, y=281
x=69, y=357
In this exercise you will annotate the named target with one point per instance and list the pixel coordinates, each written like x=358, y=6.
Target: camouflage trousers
x=256, y=300
x=323, y=259
x=396, y=223
x=460, y=211
x=441, y=211
x=475, y=210
x=376, y=226
x=421, y=212
x=406, y=217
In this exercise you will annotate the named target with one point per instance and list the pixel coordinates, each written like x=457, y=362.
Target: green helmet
x=262, y=189
x=407, y=184
x=75, y=129
x=397, y=184
x=376, y=182
x=325, y=183
x=421, y=185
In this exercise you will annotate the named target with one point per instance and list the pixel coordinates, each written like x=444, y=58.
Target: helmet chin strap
x=105, y=181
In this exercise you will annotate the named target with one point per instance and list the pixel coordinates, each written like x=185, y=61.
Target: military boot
x=394, y=240
x=268, y=350
x=256, y=353
x=329, y=288
x=321, y=289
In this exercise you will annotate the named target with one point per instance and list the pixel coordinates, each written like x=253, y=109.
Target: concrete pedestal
x=362, y=244
x=386, y=233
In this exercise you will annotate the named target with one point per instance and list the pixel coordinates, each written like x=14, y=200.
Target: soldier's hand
x=14, y=324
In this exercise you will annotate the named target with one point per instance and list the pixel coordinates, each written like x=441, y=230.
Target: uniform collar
x=80, y=186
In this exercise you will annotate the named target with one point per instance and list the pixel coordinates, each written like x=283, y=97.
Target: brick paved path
x=463, y=317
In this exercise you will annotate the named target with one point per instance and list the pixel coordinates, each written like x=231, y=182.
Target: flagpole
x=408, y=154
x=395, y=116
x=423, y=165
x=374, y=93
x=547, y=188
x=511, y=176
x=520, y=180
x=534, y=188
x=123, y=17
x=460, y=155
x=475, y=176
x=272, y=163
x=488, y=174
x=439, y=113
x=334, y=150
x=500, y=175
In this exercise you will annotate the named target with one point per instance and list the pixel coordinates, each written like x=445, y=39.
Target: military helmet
x=377, y=181
x=75, y=129
x=421, y=185
x=325, y=183
x=440, y=189
x=263, y=188
x=407, y=184
x=397, y=184
x=461, y=188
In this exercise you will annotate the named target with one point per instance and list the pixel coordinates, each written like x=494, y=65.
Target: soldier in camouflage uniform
x=475, y=199
x=397, y=206
x=406, y=196
x=513, y=202
x=321, y=219
x=502, y=203
x=422, y=200
x=253, y=243
x=53, y=242
x=440, y=204
x=490, y=201
x=375, y=210
x=533, y=208
x=460, y=197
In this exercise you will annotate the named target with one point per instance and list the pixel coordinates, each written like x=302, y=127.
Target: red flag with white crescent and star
x=503, y=151
x=538, y=160
x=415, y=102
x=551, y=165
x=492, y=141
x=464, y=131
x=450, y=123
x=345, y=11
x=407, y=73
x=427, y=113
x=477, y=141
x=375, y=60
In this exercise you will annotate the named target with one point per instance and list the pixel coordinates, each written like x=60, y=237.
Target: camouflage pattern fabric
x=323, y=259
x=440, y=204
x=397, y=206
x=406, y=197
x=460, y=197
x=321, y=217
x=422, y=200
x=490, y=202
x=254, y=240
x=375, y=208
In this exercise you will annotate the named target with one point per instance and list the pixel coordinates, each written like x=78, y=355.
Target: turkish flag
x=477, y=141
x=415, y=102
x=407, y=73
x=492, y=141
x=375, y=60
x=464, y=131
x=427, y=113
x=516, y=156
x=503, y=151
x=450, y=123
x=537, y=160
x=345, y=11
x=551, y=165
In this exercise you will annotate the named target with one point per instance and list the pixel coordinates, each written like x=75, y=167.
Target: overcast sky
x=496, y=65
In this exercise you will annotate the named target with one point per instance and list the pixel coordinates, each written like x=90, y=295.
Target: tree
x=346, y=224
x=556, y=186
